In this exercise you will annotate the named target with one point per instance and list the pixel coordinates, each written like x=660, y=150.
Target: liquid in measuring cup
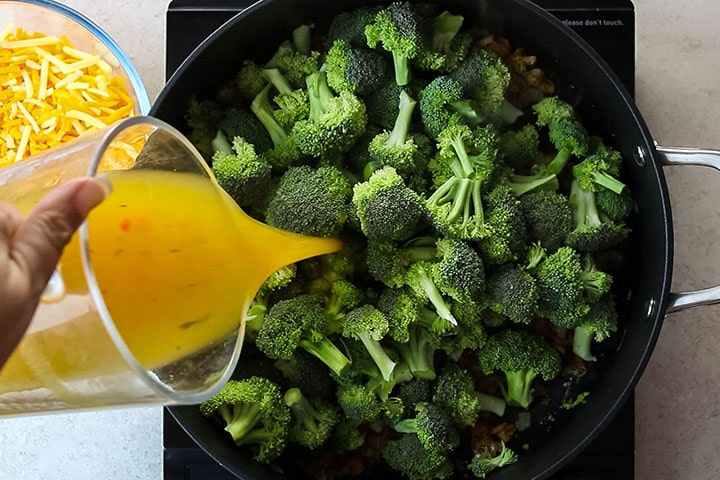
x=176, y=263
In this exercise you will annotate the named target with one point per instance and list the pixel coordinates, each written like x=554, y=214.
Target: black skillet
x=582, y=78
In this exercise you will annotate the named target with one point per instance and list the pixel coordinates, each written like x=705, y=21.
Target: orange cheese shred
x=52, y=92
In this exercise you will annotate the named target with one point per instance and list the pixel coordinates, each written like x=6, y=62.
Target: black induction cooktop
x=609, y=26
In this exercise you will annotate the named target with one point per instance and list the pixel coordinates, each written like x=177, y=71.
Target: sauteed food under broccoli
x=477, y=212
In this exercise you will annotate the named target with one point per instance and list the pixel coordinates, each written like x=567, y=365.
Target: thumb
x=39, y=241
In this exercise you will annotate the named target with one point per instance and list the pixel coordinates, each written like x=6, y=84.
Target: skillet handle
x=682, y=156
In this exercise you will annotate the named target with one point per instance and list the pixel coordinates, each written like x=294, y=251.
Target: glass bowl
x=52, y=18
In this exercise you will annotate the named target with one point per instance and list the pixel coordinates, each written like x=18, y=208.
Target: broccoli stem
x=319, y=94
x=278, y=80
x=582, y=343
x=490, y=403
x=301, y=39
x=328, y=353
x=220, y=144
x=262, y=109
x=435, y=297
x=408, y=425
x=445, y=29
x=522, y=184
x=399, y=133
x=244, y=419
x=559, y=161
x=402, y=69
x=419, y=354
x=519, y=391
x=467, y=167
x=507, y=112
x=379, y=356
x=609, y=182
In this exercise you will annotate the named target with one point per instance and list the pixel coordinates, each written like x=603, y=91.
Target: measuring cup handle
x=683, y=156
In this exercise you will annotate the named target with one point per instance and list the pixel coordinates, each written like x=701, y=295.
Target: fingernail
x=104, y=182
x=92, y=193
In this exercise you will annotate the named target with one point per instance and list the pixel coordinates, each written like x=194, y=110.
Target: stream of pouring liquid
x=177, y=263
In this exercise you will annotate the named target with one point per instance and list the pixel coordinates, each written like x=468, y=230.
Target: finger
x=39, y=241
x=10, y=220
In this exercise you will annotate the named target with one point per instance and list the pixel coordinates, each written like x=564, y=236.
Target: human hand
x=30, y=249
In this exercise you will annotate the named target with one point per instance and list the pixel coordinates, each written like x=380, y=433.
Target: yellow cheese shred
x=51, y=92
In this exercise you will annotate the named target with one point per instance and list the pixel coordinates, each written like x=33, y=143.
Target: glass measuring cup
x=147, y=303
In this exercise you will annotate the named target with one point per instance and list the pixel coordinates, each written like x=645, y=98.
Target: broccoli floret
x=456, y=206
x=398, y=148
x=398, y=28
x=470, y=332
x=386, y=208
x=484, y=79
x=311, y=201
x=506, y=222
x=565, y=131
x=591, y=232
x=335, y=121
x=598, y=325
x=241, y=173
x=454, y=389
x=302, y=371
x=284, y=152
x=485, y=463
x=595, y=282
x=250, y=80
x=521, y=356
x=434, y=427
x=369, y=325
x=202, y=118
x=346, y=436
x=444, y=45
x=254, y=414
x=460, y=273
x=299, y=322
x=561, y=289
x=295, y=65
x=355, y=70
x=409, y=456
x=389, y=264
x=548, y=217
x=422, y=278
x=520, y=147
x=512, y=292
x=358, y=402
x=617, y=208
x=411, y=325
x=276, y=282
x=293, y=103
x=350, y=26
x=599, y=171
x=441, y=104
x=415, y=391
x=344, y=296
x=314, y=420
x=551, y=109
x=570, y=139
x=238, y=122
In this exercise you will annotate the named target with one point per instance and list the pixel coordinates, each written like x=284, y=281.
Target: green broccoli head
x=299, y=322
x=355, y=70
x=481, y=465
x=311, y=201
x=455, y=390
x=561, y=289
x=335, y=121
x=242, y=174
x=434, y=427
x=254, y=414
x=521, y=356
x=408, y=456
x=460, y=273
x=398, y=28
x=512, y=292
x=506, y=221
x=386, y=208
x=314, y=420
x=369, y=325
x=548, y=217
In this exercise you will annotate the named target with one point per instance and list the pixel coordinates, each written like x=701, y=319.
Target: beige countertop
x=677, y=418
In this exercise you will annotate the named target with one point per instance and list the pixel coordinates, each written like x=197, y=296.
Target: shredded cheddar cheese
x=51, y=93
